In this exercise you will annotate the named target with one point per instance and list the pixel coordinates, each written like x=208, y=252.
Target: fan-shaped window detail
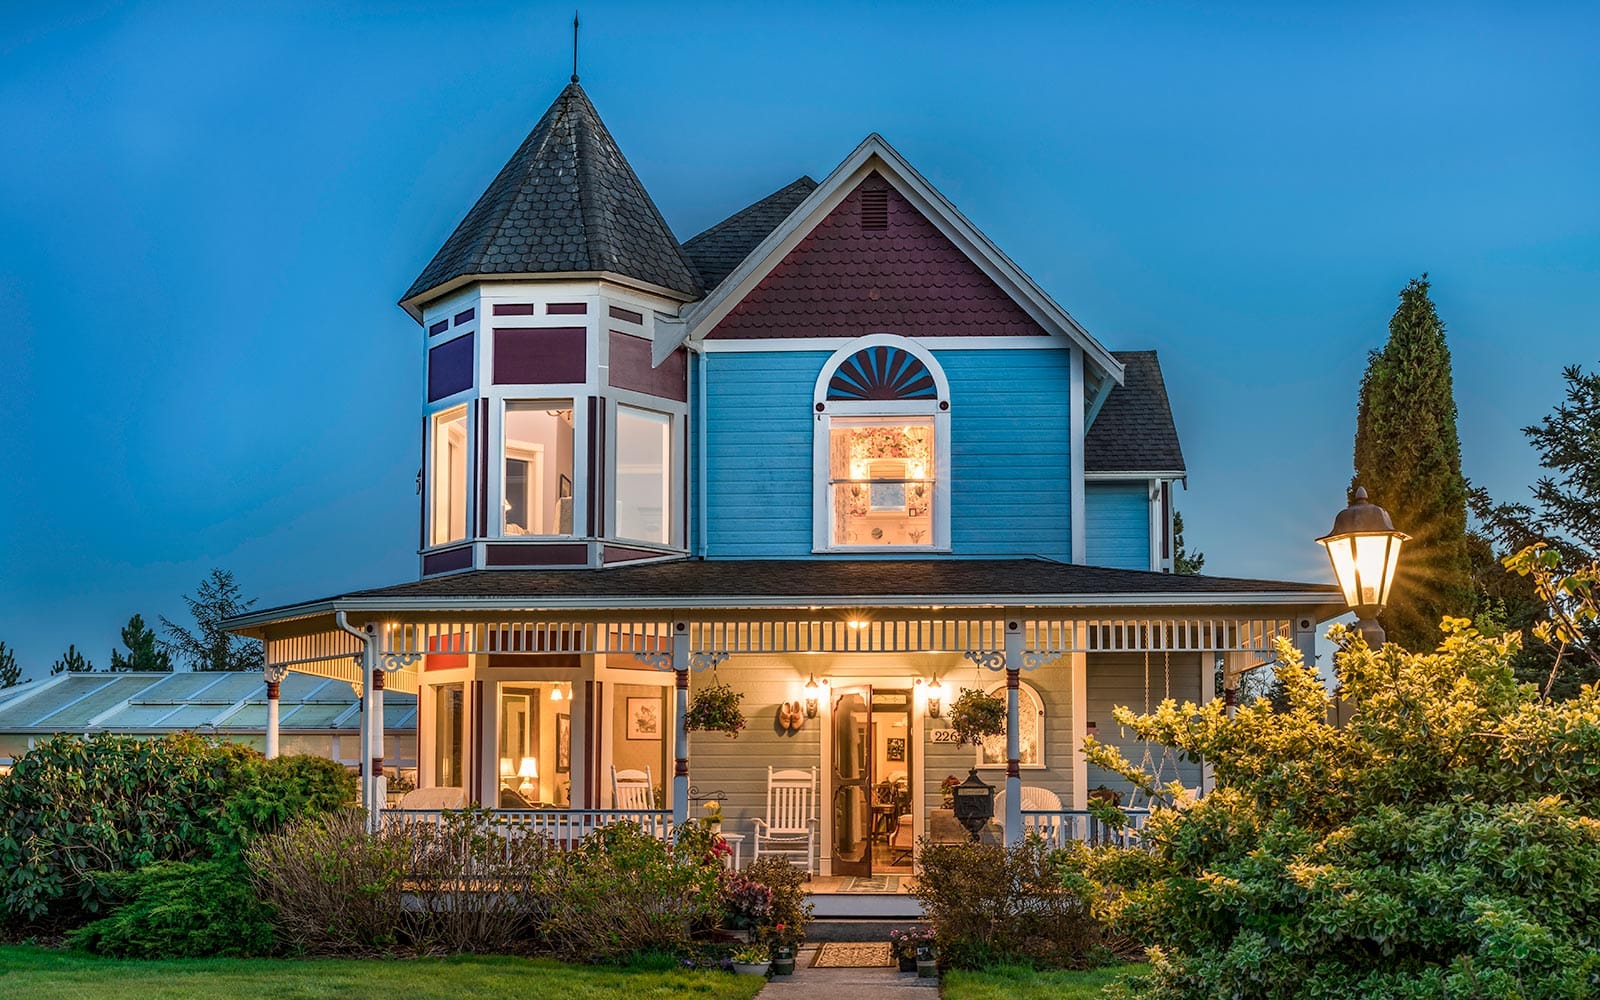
x=882, y=372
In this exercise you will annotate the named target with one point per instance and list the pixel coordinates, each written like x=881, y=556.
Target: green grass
x=1019, y=983
x=46, y=974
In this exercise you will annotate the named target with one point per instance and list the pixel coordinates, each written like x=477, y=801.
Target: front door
x=851, y=781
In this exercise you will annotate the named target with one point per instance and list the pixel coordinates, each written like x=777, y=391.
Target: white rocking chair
x=790, y=827
x=632, y=789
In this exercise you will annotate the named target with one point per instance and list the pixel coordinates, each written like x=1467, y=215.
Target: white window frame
x=674, y=496
x=534, y=454
x=999, y=691
x=824, y=410
x=431, y=478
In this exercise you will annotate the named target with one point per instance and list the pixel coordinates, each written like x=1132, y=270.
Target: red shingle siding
x=846, y=281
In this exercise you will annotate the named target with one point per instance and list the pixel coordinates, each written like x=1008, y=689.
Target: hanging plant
x=975, y=715
x=715, y=709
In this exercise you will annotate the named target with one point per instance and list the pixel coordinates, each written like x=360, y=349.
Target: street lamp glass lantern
x=1364, y=548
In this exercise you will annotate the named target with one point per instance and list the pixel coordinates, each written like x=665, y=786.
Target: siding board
x=1118, y=516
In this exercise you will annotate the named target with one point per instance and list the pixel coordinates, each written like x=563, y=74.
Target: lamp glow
x=811, y=697
x=528, y=772
x=935, y=693
x=1364, y=548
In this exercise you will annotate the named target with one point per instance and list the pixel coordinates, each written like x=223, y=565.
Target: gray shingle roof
x=821, y=579
x=723, y=247
x=1134, y=431
x=566, y=201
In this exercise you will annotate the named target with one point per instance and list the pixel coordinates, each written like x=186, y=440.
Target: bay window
x=447, y=483
x=643, y=510
x=537, y=486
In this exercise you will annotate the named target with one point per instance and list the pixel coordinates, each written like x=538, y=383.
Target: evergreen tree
x=208, y=646
x=71, y=662
x=144, y=652
x=10, y=673
x=1408, y=456
x=1184, y=562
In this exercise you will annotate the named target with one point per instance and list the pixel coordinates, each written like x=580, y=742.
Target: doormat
x=854, y=955
x=877, y=883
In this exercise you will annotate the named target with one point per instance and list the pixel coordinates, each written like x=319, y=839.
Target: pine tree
x=1184, y=562
x=144, y=652
x=10, y=673
x=208, y=646
x=1408, y=456
x=71, y=662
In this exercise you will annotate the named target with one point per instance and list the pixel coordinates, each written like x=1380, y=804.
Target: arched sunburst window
x=882, y=409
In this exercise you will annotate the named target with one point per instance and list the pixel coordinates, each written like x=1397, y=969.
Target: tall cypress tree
x=1408, y=456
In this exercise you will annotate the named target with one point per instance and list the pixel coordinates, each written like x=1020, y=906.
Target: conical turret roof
x=566, y=201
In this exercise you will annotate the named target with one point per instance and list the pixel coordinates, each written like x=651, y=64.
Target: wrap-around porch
x=545, y=717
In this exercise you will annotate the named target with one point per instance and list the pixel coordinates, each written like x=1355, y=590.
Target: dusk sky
x=208, y=216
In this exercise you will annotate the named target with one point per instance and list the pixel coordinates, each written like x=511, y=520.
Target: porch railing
x=563, y=827
x=1060, y=827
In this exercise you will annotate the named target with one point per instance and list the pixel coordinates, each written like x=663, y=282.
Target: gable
x=889, y=270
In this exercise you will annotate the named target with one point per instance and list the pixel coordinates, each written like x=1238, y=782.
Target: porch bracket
x=390, y=662
x=658, y=659
x=699, y=662
x=988, y=659
x=1034, y=659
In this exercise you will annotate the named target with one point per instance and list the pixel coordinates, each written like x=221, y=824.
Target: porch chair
x=632, y=789
x=433, y=798
x=1034, y=799
x=790, y=827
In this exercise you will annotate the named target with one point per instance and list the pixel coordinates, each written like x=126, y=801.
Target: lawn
x=43, y=974
x=1017, y=983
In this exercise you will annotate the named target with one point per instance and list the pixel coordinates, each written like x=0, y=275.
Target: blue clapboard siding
x=1010, y=452
x=758, y=453
x=1118, y=517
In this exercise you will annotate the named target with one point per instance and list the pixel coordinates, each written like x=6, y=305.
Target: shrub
x=622, y=892
x=788, y=912
x=77, y=808
x=1443, y=844
x=990, y=905
x=333, y=887
x=479, y=887
x=178, y=909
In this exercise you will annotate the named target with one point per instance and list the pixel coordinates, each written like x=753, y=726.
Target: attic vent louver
x=875, y=209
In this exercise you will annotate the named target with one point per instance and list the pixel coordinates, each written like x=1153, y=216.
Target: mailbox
x=974, y=803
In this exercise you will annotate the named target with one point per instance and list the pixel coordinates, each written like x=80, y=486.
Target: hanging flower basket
x=976, y=715
x=715, y=709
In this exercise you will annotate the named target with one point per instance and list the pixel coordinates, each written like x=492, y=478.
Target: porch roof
x=735, y=583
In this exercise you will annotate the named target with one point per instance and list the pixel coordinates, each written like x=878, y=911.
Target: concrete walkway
x=844, y=984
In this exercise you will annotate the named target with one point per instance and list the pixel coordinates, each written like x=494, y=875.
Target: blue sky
x=208, y=215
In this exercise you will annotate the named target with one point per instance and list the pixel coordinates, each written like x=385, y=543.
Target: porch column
x=364, y=744
x=274, y=677
x=1013, y=818
x=680, y=771
x=375, y=752
x=1079, y=661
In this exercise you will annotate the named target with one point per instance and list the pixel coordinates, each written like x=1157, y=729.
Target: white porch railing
x=1060, y=827
x=564, y=827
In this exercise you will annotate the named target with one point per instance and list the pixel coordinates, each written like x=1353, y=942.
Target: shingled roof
x=1134, y=431
x=723, y=247
x=566, y=201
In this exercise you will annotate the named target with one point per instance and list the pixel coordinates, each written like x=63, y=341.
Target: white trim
x=875, y=153
x=413, y=306
x=775, y=344
x=1094, y=477
x=1153, y=509
x=1075, y=409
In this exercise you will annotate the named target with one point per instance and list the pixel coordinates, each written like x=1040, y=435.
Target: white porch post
x=363, y=766
x=1013, y=817
x=375, y=752
x=1079, y=660
x=680, y=773
x=274, y=678
x=1208, y=694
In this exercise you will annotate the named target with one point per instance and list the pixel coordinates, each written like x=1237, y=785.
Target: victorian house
x=838, y=453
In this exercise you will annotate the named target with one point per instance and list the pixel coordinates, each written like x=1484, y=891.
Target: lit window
x=447, y=490
x=538, y=469
x=880, y=474
x=1030, y=732
x=449, y=723
x=644, y=475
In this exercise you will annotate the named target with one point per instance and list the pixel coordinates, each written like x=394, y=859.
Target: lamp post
x=1364, y=548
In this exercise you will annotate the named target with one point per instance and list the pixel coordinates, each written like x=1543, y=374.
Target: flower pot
x=908, y=963
x=927, y=968
x=783, y=963
x=751, y=968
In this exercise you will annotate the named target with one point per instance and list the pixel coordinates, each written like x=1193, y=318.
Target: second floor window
x=537, y=486
x=447, y=486
x=643, y=509
x=880, y=474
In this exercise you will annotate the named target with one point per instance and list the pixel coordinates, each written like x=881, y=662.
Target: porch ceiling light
x=1364, y=548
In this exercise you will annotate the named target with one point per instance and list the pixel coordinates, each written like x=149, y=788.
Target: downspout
x=369, y=659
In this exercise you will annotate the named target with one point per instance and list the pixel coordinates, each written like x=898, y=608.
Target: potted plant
x=976, y=715
x=752, y=960
x=715, y=709
x=906, y=943
x=713, y=817
x=947, y=789
x=783, y=949
x=927, y=965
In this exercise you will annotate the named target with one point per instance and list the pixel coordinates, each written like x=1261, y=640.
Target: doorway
x=871, y=780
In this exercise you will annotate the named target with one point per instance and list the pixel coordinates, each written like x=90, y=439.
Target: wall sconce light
x=811, y=697
x=555, y=693
x=934, y=705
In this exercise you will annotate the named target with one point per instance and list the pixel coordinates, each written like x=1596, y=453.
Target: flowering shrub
x=746, y=902
x=789, y=912
x=975, y=715
x=715, y=709
x=1445, y=843
x=906, y=942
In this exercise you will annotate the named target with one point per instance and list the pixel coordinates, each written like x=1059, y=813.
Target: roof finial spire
x=574, y=46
